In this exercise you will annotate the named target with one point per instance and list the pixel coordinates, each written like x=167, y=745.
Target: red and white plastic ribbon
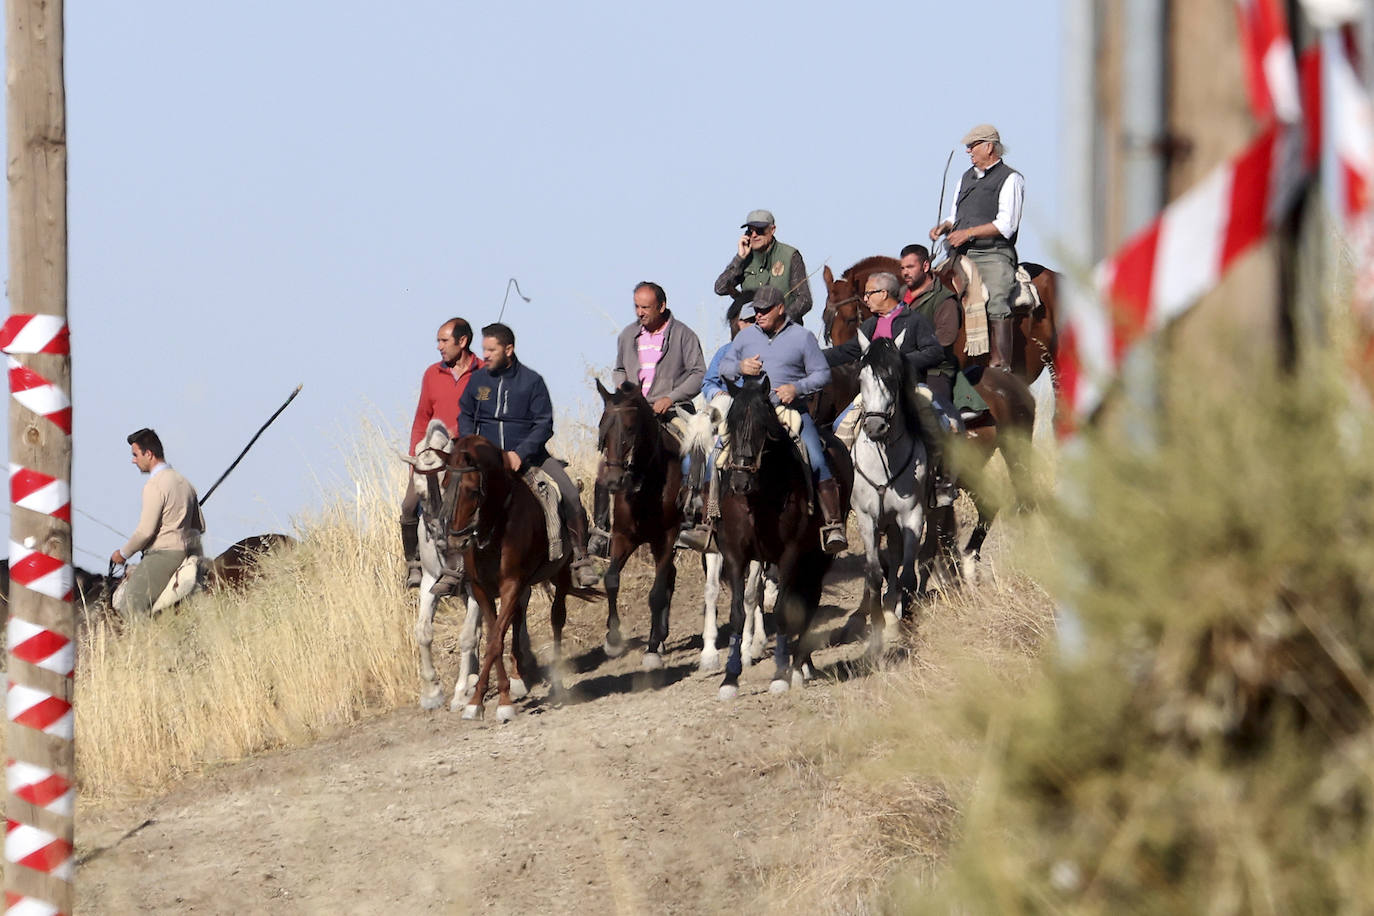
x=17, y=905
x=34, y=334
x=40, y=492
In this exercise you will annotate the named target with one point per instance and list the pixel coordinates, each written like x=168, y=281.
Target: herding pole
x=40, y=771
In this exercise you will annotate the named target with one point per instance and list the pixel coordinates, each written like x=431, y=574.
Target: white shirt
x=1009, y=200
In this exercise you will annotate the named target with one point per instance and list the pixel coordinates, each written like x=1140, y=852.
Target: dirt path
x=643, y=794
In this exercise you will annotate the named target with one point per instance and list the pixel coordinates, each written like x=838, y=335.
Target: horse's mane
x=752, y=421
x=883, y=357
x=872, y=264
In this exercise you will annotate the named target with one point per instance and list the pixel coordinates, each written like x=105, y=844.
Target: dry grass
x=321, y=640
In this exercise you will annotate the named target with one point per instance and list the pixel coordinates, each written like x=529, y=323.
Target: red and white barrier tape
x=16, y=905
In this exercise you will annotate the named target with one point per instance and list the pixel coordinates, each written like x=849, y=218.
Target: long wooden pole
x=40, y=769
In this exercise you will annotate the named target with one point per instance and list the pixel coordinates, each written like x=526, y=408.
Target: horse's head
x=476, y=471
x=843, y=308
x=880, y=382
x=751, y=424
x=430, y=462
x=624, y=435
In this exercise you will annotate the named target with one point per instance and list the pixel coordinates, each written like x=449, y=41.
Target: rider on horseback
x=983, y=222
x=789, y=356
x=664, y=357
x=921, y=352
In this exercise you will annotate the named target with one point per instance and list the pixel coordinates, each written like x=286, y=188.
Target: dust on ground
x=643, y=793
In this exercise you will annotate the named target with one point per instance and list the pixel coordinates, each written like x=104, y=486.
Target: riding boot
x=599, y=541
x=833, y=539
x=698, y=537
x=584, y=572
x=1001, y=329
x=410, y=547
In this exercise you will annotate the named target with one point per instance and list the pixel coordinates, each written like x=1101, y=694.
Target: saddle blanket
x=546, y=491
x=1027, y=296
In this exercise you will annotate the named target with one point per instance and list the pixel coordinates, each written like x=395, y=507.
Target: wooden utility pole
x=40, y=770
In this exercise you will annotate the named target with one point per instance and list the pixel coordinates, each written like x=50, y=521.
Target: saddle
x=546, y=491
x=189, y=577
x=1027, y=298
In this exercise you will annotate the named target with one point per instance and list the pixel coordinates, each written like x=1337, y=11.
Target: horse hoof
x=613, y=649
x=778, y=685
x=710, y=661
x=472, y=711
x=518, y=690
x=431, y=702
x=798, y=680
x=505, y=713
x=652, y=661
x=729, y=692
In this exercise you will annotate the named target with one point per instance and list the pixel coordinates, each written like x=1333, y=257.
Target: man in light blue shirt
x=791, y=358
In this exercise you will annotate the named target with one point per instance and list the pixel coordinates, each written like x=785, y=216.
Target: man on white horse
x=169, y=529
x=921, y=352
x=983, y=222
x=441, y=387
x=663, y=356
x=788, y=354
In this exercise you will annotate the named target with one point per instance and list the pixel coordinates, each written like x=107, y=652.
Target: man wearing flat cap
x=983, y=222
x=761, y=260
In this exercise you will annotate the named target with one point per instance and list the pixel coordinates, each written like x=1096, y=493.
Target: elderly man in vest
x=788, y=354
x=983, y=222
x=169, y=524
x=761, y=260
x=663, y=356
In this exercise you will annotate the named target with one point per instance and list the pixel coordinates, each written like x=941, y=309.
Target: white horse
x=699, y=442
x=430, y=463
x=891, y=482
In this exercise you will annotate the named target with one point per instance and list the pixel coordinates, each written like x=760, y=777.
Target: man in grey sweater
x=662, y=356
x=169, y=525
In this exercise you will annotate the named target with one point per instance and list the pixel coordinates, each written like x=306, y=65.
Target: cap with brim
x=759, y=219
x=765, y=298
x=980, y=133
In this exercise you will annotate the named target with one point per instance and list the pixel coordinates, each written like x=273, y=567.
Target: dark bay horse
x=1035, y=332
x=766, y=515
x=643, y=472
x=498, y=524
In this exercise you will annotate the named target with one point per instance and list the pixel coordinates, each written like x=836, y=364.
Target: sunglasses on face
x=750, y=230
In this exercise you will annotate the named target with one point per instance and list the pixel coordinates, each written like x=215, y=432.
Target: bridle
x=449, y=505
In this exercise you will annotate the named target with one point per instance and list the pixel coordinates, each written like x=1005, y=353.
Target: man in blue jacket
x=788, y=354
x=508, y=403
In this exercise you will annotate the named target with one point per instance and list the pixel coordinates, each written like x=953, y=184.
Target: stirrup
x=448, y=584
x=584, y=573
x=697, y=538
x=413, y=574
x=599, y=543
x=833, y=539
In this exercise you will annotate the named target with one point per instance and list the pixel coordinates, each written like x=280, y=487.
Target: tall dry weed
x=320, y=640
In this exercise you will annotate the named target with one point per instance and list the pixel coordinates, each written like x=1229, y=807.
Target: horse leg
x=474, y=708
x=871, y=606
x=789, y=614
x=521, y=656
x=431, y=692
x=512, y=609
x=755, y=636
x=558, y=616
x=911, y=529
x=621, y=548
x=660, y=603
x=467, y=654
x=729, y=687
x=710, y=657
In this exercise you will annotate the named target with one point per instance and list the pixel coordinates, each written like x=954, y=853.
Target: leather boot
x=933, y=435
x=1002, y=335
x=584, y=574
x=410, y=547
x=599, y=541
x=832, y=522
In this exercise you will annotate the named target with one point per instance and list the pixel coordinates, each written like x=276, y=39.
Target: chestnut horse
x=498, y=524
x=1035, y=332
x=643, y=472
x=766, y=515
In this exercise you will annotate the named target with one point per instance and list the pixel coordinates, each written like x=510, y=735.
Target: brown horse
x=498, y=524
x=643, y=472
x=1006, y=425
x=1035, y=332
x=766, y=516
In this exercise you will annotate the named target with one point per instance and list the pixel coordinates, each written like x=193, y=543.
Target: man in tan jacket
x=169, y=525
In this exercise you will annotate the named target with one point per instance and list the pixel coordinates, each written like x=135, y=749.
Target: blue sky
x=267, y=194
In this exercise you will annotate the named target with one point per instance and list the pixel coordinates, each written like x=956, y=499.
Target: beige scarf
x=976, y=341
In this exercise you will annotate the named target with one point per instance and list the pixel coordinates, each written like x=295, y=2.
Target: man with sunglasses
x=788, y=354
x=761, y=260
x=922, y=354
x=984, y=219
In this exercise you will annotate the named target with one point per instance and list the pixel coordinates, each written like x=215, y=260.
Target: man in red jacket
x=440, y=388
